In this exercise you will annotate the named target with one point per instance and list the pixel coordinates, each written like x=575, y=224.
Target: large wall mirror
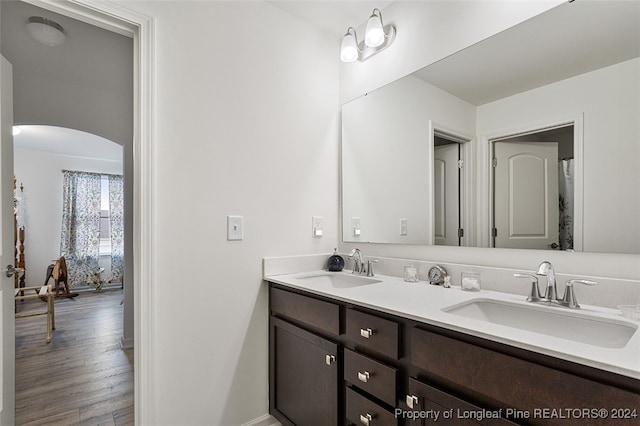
x=529, y=139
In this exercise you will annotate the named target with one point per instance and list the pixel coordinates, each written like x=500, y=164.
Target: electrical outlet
x=317, y=226
x=235, y=228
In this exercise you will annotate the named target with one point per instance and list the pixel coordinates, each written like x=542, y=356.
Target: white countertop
x=424, y=303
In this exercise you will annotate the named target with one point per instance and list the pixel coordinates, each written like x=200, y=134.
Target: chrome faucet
x=358, y=262
x=551, y=293
x=546, y=268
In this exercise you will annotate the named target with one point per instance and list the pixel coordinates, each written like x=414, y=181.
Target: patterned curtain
x=80, y=239
x=116, y=223
x=565, y=191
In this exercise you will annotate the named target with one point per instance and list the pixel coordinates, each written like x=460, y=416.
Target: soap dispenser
x=336, y=262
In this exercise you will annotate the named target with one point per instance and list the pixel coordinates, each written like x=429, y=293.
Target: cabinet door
x=304, y=376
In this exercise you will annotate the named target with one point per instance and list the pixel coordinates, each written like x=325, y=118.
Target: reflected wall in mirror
x=580, y=59
x=387, y=159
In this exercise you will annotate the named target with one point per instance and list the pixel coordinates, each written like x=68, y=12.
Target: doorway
x=138, y=27
x=451, y=187
x=532, y=177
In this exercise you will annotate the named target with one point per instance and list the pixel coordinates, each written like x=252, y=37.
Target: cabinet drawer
x=316, y=313
x=435, y=402
x=362, y=411
x=371, y=376
x=373, y=332
x=511, y=381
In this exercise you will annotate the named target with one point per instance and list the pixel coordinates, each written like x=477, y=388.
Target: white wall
x=246, y=107
x=609, y=99
x=385, y=154
x=41, y=174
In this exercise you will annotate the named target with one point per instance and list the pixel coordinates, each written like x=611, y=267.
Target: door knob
x=10, y=270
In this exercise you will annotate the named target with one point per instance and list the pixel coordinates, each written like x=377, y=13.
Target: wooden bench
x=43, y=293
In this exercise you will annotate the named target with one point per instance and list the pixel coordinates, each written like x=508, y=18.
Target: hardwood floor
x=82, y=377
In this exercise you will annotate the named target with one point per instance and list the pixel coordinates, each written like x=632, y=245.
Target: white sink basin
x=337, y=279
x=550, y=321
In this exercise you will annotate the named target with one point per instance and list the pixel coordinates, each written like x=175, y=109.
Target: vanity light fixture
x=377, y=37
x=46, y=31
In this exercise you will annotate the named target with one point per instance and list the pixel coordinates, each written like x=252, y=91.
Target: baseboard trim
x=126, y=343
x=266, y=420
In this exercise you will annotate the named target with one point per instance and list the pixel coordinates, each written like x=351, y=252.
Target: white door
x=445, y=190
x=7, y=319
x=526, y=195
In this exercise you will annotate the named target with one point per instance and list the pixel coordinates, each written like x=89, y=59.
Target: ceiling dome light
x=349, y=50
x=46, y=31
x=374, y=34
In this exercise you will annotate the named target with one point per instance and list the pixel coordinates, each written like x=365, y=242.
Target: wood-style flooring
x=82, y=377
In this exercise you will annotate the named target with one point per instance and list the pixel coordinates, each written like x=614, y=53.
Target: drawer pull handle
x=366, y=332
x=328, y=359
x=412, y=401
x=363, y=377
x=366, y=419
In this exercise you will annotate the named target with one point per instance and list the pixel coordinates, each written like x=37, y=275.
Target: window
x=92, y=224
x=105, y=226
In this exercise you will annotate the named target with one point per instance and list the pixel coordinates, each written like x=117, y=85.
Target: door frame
x=117, y=18
x=485, y=190
x=466, y=142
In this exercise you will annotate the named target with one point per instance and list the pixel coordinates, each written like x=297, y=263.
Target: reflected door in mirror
x=526, y=195
x=446, y=184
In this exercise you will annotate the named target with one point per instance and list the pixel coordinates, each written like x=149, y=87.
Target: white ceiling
x=59, y=140
x=89, y=57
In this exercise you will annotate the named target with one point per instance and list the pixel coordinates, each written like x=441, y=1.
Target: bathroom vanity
x=348, y=349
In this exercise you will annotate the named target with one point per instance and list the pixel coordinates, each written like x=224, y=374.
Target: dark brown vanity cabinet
x=333, y=362
x=304, y=367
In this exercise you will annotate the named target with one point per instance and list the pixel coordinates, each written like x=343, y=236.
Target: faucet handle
x=570, y=283
x=534, y=294
x=370, y=263
x=569, y=298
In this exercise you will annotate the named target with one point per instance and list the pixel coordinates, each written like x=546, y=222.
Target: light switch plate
x=355, y=227
x=235, y=228
x=317, y=226
x=403, y=226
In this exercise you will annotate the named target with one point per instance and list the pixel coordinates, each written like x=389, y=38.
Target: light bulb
x=374, y=34
x=349, y=48
x=16, y=130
